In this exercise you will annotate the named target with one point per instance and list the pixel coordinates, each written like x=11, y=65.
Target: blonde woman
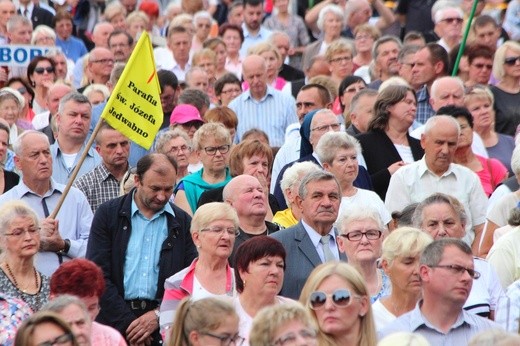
x=337, y=298
x=273, y=63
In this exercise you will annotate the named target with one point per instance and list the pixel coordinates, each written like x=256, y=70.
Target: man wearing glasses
x=139, y=240
x=447, y=272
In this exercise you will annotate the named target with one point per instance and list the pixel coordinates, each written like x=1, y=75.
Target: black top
x=11, y=179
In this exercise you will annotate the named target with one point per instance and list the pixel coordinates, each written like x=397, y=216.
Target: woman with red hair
x=84, y=279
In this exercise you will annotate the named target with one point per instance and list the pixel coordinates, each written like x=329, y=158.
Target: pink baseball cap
x=185, y=113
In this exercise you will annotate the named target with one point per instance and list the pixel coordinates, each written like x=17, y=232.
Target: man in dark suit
x=139, y=240
x=35, y=13
x=313, y=240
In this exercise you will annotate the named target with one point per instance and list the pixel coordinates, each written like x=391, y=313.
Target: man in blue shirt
x=139, y=240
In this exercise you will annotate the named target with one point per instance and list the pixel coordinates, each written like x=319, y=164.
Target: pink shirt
x=105, y=336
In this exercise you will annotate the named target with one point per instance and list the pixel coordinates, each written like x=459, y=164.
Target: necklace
x=14, y=278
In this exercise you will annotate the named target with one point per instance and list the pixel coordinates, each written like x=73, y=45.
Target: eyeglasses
x=22, y=90
x=363, y=37
x=229, y=91
x=18, y=232
x=334, y=127
x=291, y=338
x=220, y=230
x=41, y=70
x=60, y=340
x=340, y=298
x=371, y=234
x=459, y=270
x=452, y=20
x=103, y=61
x=177, y=149
x=512, y=60
x=213, y=150
x=481, y=66
x=227, y=340
x=342, y=59
x=194, y=123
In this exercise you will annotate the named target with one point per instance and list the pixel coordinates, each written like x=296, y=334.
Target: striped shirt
x=424, y=109
x=272, y=114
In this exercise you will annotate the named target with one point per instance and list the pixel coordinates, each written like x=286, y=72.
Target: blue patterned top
x=12, y=313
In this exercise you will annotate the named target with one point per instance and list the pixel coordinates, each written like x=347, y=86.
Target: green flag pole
x=464, y=38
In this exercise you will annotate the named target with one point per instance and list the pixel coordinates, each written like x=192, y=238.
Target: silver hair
x=16, y=21
x=18, y=143
x=167, y=136
x=438, y=81
x=292, y=176
x=315, y=176
x=432, y=123
x=72, y=96
x=358, y=213
x=334, y=9
x=331, y=142
x=61, y=302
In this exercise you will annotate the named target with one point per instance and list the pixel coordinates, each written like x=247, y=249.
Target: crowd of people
x=327, y=172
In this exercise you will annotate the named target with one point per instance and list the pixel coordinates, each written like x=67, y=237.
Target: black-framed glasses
x=459, y=270
x=232, y=231
x=481, y=66
x=342, y=59
x=371, y=234
x=453, y=20
x=340, y=298
x=512, y=60
x=221, y=149
x=291, y=338
x=334, y=127
x=41, y=70
x=18, y=232
x=60, y=340
x=227, y=340
x=229, y=91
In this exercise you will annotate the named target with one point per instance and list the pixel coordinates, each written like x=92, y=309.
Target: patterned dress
x=12, y=313
x=35, y=301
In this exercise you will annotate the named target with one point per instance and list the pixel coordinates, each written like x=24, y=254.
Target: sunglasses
x=512, y=60
x=41, y=70
x=481, y=66
x=452, y=20
x=340, y=298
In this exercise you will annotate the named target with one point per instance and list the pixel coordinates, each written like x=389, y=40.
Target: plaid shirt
x=424, y=109
x=98, y=185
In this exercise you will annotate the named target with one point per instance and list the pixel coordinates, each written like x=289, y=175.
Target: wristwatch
x=66, y=247
x=157, y=313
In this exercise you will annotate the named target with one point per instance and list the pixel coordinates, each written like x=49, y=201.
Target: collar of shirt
x=422, y=94
x=55, y=150
x=417, y=319
x=315, y=236
x=268, y=92
x=29, y=8
x=166, y=209
x=423, y=168
x=105, y=173
x=24, y=189
x=262, y=32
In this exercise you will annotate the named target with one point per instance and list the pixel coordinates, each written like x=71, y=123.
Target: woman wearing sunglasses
x=45, y=328
x=361, y=238
x=41, y=74
x=259, y=273
x=206, y=322
x=506, y=69
x=337, y=298
x=400, y=261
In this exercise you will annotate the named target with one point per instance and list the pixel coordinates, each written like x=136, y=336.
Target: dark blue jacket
x=108, y=241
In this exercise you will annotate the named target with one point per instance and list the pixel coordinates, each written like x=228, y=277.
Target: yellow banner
x=134, y=108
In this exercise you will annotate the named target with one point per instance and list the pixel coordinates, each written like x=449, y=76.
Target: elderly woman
x=208, y=321
x=259, y=272
x=287, y=324
x=211, y=143
x=11, y=104
x=443, y=216
x=8, y=179
x=41, y=73
x=115, y=14
x=479, y=101
x=331, y=21
x=290, y=185
x=227, y=88
x=387, y=145
x=364, y=37
x=506, y=69
x=84, y=279
x=202, y=21
x=338, y=152
x=45, y=328
x=177, y=144
x=337, y=297
x=136, y=23
x=206, y=59
x=43, y=36
x=233, y=37
x=219, y=48
x=400, y=261
x=20, y=241
x=339, y=56
x=273, y=64
x=25, y=89
x=490, y=171
x=360, y=238
x=96, y=93
x=213, y=230
x=187, y=118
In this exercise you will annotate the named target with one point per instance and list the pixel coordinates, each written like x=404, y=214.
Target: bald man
x=262, y=106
